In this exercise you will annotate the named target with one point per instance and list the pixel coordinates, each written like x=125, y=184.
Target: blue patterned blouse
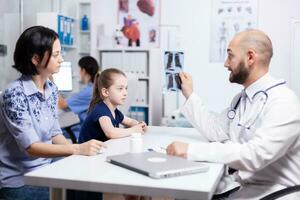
x=27, y=116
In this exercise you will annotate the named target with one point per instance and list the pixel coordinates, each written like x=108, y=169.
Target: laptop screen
x=63, y=79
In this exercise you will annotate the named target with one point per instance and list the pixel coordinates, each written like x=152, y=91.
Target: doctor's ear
x=251, y=56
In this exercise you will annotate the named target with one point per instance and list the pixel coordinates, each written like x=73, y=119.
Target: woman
x=30, y=133
x=79, y=102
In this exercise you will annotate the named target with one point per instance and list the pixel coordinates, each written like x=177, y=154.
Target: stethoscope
x=251, y=116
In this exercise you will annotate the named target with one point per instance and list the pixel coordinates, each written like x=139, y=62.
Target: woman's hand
x=90, y=148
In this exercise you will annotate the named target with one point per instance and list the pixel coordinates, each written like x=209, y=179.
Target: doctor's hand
x=186, y=84
x=178, y=149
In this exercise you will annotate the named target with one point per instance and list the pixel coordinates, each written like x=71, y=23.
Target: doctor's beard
x=241, y=74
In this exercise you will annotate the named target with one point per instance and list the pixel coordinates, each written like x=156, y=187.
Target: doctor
x=259, y=134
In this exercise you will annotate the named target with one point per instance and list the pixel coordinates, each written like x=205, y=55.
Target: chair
x=67, y=120
x=281, y=193
x=71, y=134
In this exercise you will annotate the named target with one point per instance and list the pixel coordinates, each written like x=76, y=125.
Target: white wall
x=275, y=19
x=9, y=31
x=193, y=17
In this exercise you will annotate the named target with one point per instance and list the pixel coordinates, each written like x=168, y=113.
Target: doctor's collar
x=259, y=85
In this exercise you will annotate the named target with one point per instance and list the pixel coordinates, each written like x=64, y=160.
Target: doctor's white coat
x=266, y=154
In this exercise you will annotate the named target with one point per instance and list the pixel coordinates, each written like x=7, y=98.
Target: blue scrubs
x=79, y=102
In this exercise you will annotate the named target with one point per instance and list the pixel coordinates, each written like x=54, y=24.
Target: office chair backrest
x=290, y=193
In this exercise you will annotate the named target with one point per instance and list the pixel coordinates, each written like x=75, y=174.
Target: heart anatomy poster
x=139, y=22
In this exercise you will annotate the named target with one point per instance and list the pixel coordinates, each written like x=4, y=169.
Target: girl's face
x=117, y=93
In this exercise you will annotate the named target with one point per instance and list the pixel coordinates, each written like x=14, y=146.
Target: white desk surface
x=95, y=174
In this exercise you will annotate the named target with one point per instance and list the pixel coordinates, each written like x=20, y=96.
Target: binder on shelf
x=60, y=23
x=111, y=59
x=129, y=63
x=141, y=63
x=65, y=30
x=142, y=97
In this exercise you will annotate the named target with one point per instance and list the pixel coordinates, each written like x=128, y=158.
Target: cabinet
x=63, y=25
x=135, y=63
x=84, y=33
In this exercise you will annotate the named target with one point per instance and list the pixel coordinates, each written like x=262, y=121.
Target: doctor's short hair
x=90, y=65
x=34, y=41
x=259, y=41
x=103, y=79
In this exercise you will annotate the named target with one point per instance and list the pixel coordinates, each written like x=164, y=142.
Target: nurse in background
x=79, y=102
x=30, y=134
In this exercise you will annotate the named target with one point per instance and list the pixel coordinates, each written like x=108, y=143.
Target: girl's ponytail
x=96, y=98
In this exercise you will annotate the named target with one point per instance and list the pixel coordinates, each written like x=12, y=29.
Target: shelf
x=85, y=32
x=122, y=48
x=68, y=46
x=84, y=52
x=143, y=78
x=139, y=105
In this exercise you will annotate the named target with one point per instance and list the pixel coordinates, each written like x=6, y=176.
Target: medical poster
x=228, y=18
x=139, y=22
x=173, y=62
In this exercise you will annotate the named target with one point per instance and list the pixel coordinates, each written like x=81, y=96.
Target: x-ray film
x=173, y=61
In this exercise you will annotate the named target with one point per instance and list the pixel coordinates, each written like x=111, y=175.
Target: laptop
x=157, y=165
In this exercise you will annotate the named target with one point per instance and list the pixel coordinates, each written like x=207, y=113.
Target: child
x=103, y=119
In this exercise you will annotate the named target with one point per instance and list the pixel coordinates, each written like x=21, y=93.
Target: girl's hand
x=144, y=125
x=90, y=148
x=138, y=128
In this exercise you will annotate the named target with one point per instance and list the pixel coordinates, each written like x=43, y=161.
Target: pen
x=162, y=148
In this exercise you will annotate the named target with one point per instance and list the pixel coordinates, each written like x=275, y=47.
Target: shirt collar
x=260, y=85
x=30, y=87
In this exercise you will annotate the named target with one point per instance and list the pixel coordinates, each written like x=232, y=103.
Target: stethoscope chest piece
x=231, y=114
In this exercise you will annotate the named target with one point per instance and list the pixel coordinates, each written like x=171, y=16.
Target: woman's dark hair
x=90, y=65
x=103, y=79
x=34, y=41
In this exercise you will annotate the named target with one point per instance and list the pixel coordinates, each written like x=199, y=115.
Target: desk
x=95, y=174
